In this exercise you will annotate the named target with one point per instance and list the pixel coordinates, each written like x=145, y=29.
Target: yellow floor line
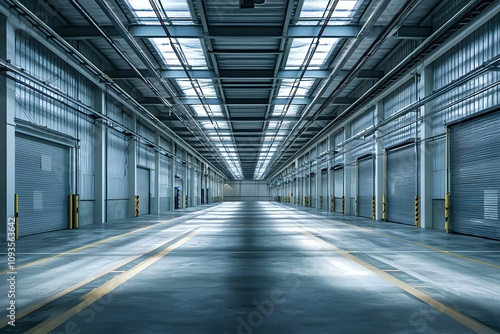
x=461, y=318
x=90, y=298
x=100, y=242
x=423, y=245
x=85, y=282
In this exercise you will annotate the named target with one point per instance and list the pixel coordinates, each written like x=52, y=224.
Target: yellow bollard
x=343, y=205
x=70, y=211
x=417, y=211
x=373, y=207
x=137, y=205
x=75, y=210
x=447, y=213
x=384, y=207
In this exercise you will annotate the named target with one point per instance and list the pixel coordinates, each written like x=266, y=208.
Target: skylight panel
x=190, y=48
x=177, y=10
x=317, y=10
x=299, y=52
x=207, y=88
x=287, y=86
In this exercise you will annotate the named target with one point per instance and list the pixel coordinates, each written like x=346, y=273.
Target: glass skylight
x=300, y=48
x=175, y=10
x=315, y=11
x=287, y=86
x=191, y=50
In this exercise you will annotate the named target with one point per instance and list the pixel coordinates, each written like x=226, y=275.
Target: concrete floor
x=255, y=268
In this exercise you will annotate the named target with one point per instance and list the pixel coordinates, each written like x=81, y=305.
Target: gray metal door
x=401, y=184
x=338, y=188
x=365, y=187
x=43, y=185
x=325, y=202
x=475, y=176
x=143, y=190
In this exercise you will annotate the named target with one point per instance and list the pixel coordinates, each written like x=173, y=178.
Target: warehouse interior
x=250, y=166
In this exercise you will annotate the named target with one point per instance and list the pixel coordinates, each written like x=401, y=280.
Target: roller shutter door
x=43, y=185
x=475, y=176
x=143, y=184
x=365, y=187
x=325, y=203
x=401, y=184
x=313, y=193
x=338, y=188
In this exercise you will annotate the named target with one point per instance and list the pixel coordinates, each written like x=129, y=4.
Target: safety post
x=332, y=203
x=384, y=207
x=186, y=201
x=343, y=205
x=70, y=211
x=321, y=202
x=373, y=207
x=417, y=211
x=16, y=215
x=356, y=204
x=75, y=210
x=137, y=205
x=447, y=212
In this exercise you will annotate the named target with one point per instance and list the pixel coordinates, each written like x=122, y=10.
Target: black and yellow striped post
x=137, y=205
x=75, y=211
x=356, y=204
x=384, y=207
x=343, y=205
x=186, y=201
x=70, y=211
x=373, y=208
x=447, y=213
x=179, y=200
x=16, y=215
x=321, y=202
x=417, y=211
x=332, y=203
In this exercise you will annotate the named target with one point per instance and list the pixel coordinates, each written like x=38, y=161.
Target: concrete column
x=100, y=160
x=379, y=162
x=132, y=170
x=349, y=169
x=156, y=201
x=7, y=129
x=185, y=181
x=426, y=152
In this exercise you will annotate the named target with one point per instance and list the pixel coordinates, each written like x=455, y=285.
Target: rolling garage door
x=143, y=184
x=313, y=194
x=365, y=187
x=42, y=183
x=475, y=176
x=325, y=203
x=401, y=184
x=338, y=188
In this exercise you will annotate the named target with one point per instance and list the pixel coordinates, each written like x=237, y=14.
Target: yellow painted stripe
x=100, y=242
x=449, y=311
x=85, y=282
x=91, y=297
x=424, y=246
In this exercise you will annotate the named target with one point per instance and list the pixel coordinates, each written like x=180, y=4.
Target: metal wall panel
x=366, y=187
x=401, y=184
x=325, y=200
x=165, y=188
x=475, y=176
x=143, y=190
x=43, y=185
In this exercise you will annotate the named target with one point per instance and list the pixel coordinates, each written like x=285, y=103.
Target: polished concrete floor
x=254, y=268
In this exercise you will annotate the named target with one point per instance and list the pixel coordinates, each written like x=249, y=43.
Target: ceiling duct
x=251, y=3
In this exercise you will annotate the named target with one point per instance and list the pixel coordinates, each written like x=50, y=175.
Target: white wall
x=246, y=191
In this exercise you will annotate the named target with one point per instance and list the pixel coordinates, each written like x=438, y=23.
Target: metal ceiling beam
x=240, y=74
x=248, y=101
x=246, y=119
x=236, y=31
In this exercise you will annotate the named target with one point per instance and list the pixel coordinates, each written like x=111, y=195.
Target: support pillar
x=379, y=163
x=7, y=130
x=426, y=153
x=132, y=170
x=100, y=161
